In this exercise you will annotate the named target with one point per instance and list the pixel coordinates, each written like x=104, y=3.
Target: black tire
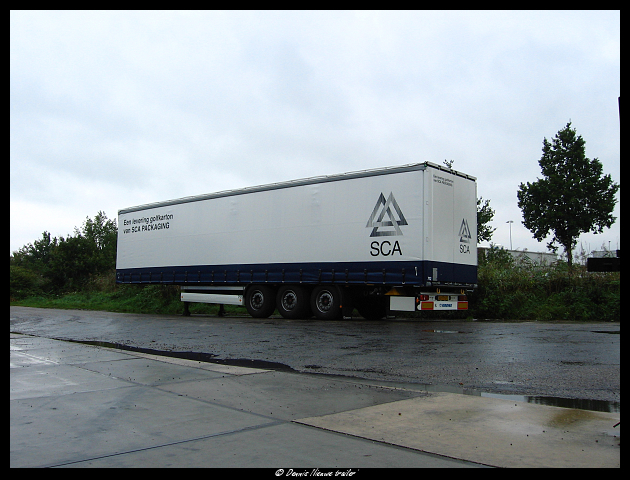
x=292, y=302
x=326, y=302
x=260, y=301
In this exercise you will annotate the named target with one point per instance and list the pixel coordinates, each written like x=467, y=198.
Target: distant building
x=538, y=258
x=605, y=254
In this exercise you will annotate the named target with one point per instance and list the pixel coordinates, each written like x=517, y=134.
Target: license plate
x=445, y=306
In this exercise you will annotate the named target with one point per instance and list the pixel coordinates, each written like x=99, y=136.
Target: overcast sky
x=115, y=109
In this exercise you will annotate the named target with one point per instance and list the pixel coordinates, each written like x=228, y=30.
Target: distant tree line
x=54, y=265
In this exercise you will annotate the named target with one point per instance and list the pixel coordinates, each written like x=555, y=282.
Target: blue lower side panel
x=387, y=273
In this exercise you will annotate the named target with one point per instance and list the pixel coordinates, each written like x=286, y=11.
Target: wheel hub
x=324, y=301
x=289, y=300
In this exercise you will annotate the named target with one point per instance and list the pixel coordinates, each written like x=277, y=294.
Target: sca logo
x=464, y=237
x=385, y=221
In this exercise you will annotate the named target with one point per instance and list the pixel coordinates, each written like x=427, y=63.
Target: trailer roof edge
x=299, y=182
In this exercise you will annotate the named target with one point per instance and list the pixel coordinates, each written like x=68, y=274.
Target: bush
x=523, y=291
x=66, y=264
x=23, y=283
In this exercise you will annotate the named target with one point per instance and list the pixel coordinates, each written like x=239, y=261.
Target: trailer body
x=392, y=232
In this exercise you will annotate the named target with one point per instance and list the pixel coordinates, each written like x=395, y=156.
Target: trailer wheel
x=293, y=302
x=326, y=302
x=260, y=301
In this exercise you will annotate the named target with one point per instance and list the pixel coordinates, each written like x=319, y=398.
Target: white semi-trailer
x=390, y=239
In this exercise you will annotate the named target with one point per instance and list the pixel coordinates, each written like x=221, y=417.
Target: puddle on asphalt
x=442, y=331
x=574, y=403
x=197, y=356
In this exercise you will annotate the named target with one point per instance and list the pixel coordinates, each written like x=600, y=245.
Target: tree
x=484, y=216
x=572, y=198
x=102, y=235
x=62, y=264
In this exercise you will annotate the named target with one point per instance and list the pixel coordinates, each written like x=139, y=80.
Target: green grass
x=126, y=299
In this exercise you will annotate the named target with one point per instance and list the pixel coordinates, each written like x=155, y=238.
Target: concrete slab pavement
x=489, y=431
x=80, y=405
x=77, y=405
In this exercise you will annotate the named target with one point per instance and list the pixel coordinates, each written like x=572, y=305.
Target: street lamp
x=510, y=222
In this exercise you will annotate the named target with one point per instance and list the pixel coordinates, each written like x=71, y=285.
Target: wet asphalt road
x=569, y=360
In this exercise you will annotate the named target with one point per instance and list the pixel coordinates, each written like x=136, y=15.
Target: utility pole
x=510, y=222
